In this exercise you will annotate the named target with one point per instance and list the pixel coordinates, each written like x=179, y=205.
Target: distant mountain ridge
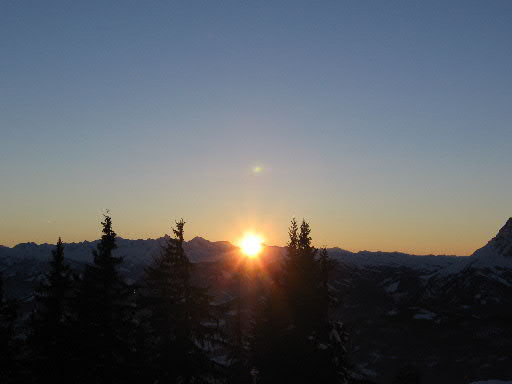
x=497, y=253
x=140, y=250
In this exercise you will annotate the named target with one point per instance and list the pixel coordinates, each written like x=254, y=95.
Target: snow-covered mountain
x=497, y=253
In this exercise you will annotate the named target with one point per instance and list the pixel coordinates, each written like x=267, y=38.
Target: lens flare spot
x=257, y=169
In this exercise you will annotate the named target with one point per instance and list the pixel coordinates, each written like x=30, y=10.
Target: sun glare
x=251, y=245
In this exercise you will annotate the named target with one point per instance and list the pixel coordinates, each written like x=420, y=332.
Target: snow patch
x=425, y=315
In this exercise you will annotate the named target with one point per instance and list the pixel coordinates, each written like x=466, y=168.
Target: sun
x=251, y=245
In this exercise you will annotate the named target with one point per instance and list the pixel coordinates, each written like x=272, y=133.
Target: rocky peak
x=502, y=243
x=198, y=240
x=498, y=251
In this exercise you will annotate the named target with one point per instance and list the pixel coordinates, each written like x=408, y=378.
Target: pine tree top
x=103, y=254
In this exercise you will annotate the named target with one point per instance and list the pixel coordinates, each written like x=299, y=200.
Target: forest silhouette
x=93, y=326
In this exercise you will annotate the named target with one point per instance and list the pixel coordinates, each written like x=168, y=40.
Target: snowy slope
x=497, y=253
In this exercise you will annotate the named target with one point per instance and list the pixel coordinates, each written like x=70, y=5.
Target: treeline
x=95, y=327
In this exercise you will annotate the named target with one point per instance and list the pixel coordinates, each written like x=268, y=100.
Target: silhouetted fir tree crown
x=57, y=283
x=106, y=307
x=304, y=242
x=107, y=244
x=293, y=339
x=181, y=317
x=294, y=237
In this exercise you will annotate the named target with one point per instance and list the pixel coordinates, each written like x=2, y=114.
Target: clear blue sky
x=387, y=124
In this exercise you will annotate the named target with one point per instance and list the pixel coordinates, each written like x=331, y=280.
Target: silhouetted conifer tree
x=105, y=315
x=9, y=347
x=50, y=322
x=294, y=340
x=183, y=328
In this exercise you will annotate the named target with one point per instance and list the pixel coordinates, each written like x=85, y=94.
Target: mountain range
x=448, y=317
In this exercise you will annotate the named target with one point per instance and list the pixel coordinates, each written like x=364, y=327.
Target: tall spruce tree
x=182, y=322
x=294, y=340
x=9, y=347
x=273, y=343
x=105, y=315
x=50, y=322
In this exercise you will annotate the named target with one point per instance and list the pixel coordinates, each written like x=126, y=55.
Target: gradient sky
x=388, y=125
